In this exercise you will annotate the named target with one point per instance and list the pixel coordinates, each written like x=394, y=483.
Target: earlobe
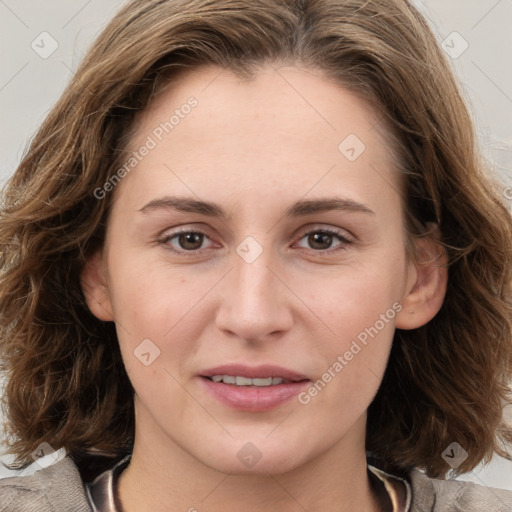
x=425, y=295
x=95, y=289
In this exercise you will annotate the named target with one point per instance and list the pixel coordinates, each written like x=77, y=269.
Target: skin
x=255, y=148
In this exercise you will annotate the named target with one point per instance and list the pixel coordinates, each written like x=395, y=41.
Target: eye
x=322, y=239
x=184, y=241
x=191, y=241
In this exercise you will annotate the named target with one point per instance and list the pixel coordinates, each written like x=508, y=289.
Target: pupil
x=316, y=239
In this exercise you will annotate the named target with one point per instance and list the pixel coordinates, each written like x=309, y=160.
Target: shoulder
x=56, y=487
x=435, y=495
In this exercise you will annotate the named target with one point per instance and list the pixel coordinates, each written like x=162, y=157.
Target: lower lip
x=254, y=398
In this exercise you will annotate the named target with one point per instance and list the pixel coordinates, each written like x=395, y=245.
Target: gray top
x=59, y=488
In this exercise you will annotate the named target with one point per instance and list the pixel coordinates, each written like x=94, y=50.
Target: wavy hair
x=447, y=381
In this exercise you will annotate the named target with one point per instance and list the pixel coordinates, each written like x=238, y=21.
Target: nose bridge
x=254, y=304
x=254, y=279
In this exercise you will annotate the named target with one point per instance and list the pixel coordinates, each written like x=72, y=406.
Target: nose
x=256, y=304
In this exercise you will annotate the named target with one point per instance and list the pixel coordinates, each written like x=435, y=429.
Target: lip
x=254, y=372
x=254, y=398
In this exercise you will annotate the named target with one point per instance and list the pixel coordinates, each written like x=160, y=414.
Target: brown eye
x=322, y=240
x=184, y=241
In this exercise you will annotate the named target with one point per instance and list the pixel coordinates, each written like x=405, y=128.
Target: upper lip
x=254, y=372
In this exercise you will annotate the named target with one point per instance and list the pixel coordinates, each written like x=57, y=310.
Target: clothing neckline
x=398, y=489
x=102, y=496
x=101, y=492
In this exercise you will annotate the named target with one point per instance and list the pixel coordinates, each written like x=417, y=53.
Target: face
x=260, y=234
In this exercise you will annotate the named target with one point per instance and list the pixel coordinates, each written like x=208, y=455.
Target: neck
x=160, y=479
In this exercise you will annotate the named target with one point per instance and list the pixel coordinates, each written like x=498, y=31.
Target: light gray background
x=30, y=84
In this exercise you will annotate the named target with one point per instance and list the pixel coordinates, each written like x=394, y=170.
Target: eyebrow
x=300, y=208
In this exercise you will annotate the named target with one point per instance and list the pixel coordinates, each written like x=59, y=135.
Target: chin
x=254, y=455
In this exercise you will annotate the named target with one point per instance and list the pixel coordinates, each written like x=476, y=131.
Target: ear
x=426, y=286
x=95, y=289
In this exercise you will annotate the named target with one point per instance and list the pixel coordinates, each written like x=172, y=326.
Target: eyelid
x=190, y=227
x=342, y=233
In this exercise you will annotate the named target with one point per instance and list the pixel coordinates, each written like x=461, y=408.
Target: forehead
x=287, y=127
x=275, y=96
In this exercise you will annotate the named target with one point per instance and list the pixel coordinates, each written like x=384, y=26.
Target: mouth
x=239, y=380
x=253, y=389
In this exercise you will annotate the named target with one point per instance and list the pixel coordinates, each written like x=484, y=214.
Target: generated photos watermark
x=151, y=142
x=356, y=347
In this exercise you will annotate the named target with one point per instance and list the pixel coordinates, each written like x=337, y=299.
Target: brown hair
x=445, y=382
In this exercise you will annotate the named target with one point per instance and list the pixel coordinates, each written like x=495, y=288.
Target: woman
x=251, y=261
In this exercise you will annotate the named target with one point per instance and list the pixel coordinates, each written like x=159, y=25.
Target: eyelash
x=345, y=241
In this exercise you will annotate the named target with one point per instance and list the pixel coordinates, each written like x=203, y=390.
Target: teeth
x=260, y=382
x=242, y=381
x=245, y=381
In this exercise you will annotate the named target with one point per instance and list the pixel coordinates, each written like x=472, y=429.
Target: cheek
x=359, y=307
x=156, y=303
x=355, y=297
